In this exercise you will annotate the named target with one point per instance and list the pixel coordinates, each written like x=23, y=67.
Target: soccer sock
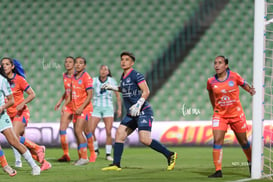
x=217, y=156
x=17, y=155
x=247, y=151
x=90, y=143
x=118, y=149
x=82, y=150
x=96, y=145
x=160, y=148
x=29, y=144
x=64, y=142
x=29, y=159
x=108, y=149
x=3, y=159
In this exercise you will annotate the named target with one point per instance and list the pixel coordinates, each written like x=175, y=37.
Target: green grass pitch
x=139, y=165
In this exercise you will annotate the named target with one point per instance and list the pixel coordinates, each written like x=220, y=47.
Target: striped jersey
x=103, y=98
x=5, y=89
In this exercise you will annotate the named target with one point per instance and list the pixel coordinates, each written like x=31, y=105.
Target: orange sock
x=247, y=151
x=3, y=159
x=82, y=150
x=29, y=144
x=64, y=142
x=217, y=157
x=90, y=143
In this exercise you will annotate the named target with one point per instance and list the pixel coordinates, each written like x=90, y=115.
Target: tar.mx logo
x=189, y=110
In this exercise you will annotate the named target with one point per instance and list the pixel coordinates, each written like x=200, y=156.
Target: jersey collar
x=216, y=77
x=124, y=76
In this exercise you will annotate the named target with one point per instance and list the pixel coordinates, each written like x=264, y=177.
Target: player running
x=135, y=92
x=19, y=112
x=103, y=108
x=66, y=115
x=7, y=130
x=227, y=110
x=81, y=94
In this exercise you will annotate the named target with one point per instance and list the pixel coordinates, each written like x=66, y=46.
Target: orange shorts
x=21, y=116
x=237, y=124
x=68, y=109
x=86, y=114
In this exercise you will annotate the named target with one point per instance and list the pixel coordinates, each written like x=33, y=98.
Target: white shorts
x=5, y=122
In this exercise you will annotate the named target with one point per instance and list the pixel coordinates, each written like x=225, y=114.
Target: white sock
x=96, y=145
x=29, y=159
x=108, y=149
x=17, y=155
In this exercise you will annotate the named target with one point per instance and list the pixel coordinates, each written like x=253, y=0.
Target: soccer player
x=19, y=112
x=7, y=130
x=81, y=94
x=66, y=116
x=135, y=92
x=103, y=108
x=223, y=89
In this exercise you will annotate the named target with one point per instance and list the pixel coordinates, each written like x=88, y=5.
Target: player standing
x=7, y=130
x=135, y=92
x=19, y=112
x=223, y=90
x=103, y=108
x=81, y=94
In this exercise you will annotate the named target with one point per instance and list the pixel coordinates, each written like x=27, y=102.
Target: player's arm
x=67, y=100
x=30, y=97
x=9, y=102
x=86, y=101
x=59, y=102
x=109, y=86
x=250, y=89
x=119, y=103
x=211, y=98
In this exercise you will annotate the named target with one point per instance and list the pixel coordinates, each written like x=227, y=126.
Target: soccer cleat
x=112, y=167
x=18, y=164
x=9, y=170
x=217, y=174
x=45, y=165
x=172, y=161
x=97, y=152
x=109, y=157
x=81, y=162
x=36, y=171
x=64, y=158
x=93, y=157
x=41, y=154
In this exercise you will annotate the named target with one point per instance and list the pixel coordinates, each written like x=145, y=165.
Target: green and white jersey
x=103, y=98
x=5, y=89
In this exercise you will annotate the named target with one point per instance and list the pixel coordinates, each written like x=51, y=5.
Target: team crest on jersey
x=12, y=85
x=80, y=81
x=128, y=80
x=231, y=83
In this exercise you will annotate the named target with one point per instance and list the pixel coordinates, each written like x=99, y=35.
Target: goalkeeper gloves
x=108, y=86
x=135, y=109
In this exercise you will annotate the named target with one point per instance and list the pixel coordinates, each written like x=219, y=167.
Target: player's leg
x=108, y=122
x=219, y=127
x=66, y=117
x=79, y=128
x=93, y=125
x=13, y=140
x=4, y=164
x=19, y=129
x=89, y=136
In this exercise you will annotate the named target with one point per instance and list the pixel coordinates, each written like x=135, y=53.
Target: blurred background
x=174, y=41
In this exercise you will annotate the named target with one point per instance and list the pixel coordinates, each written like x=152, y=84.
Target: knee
x=145, y=141
x=245, y=143
x=218, y=141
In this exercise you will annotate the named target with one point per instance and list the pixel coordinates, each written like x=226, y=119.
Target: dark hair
x=70, y=58
x=2, y=72
x=225, y=59
x=109, y=71
x=18, y=68
x=81, y=58
x=131, y=55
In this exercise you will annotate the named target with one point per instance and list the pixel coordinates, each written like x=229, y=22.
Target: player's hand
x=79, y=111
x=252, y=91
x=135, y=109
x=1, y=109
x=20, y=107
x=57, y=106
x=119, y=113
x=108, y=86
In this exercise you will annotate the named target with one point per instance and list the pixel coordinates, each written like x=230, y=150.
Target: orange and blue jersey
x=79, y=90
x=67, y=80
x=226, y=94
x=18, y=86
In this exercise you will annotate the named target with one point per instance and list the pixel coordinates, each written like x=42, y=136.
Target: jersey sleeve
x=209, y=85
x=6, y=87
x=113, y=82
x=139, y=78
x=23, y=84
x=88, y=82
x=240, y=80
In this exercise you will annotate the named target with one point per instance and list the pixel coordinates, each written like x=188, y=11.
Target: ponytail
x=18, y=68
